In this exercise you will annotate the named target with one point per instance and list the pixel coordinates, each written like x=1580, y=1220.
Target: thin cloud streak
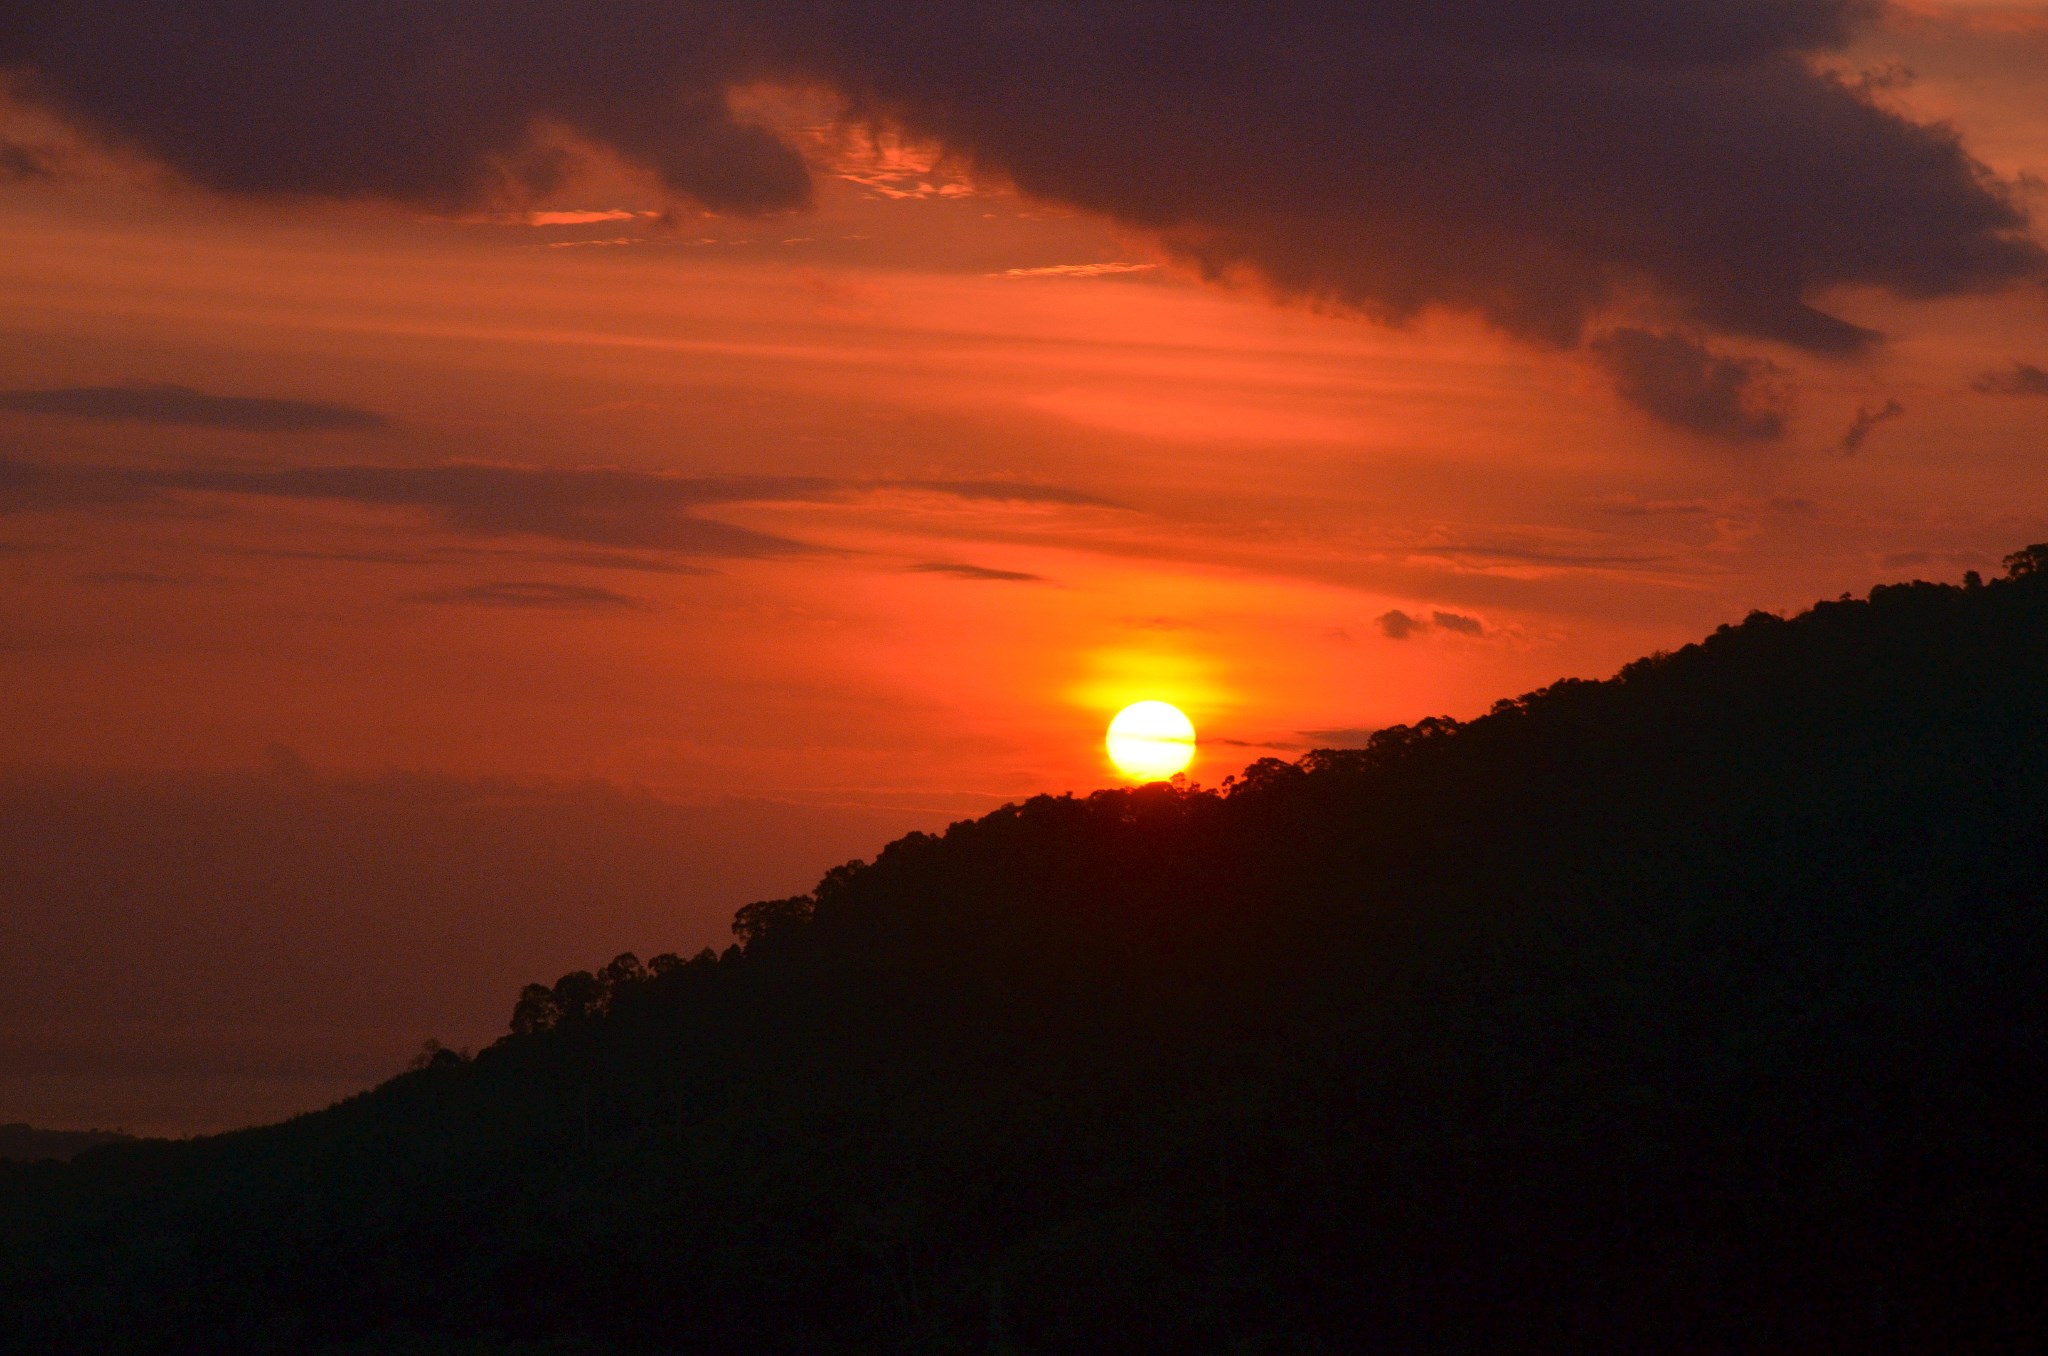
x=1076, y=271
x=183, y=406
x=595, y=506
x=977, y=572
x=1003, y=491
x=538, y=595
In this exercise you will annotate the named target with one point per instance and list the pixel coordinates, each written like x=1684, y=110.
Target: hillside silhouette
x=26, y=1144
x=1701, y=1009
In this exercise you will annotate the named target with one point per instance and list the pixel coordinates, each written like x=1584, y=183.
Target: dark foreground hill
x=1699, y=1010
x=26, y=1144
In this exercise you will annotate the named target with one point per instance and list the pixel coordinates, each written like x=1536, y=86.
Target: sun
x=1150, y=741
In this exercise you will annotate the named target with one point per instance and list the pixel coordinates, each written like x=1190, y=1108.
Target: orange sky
x=1040, y=471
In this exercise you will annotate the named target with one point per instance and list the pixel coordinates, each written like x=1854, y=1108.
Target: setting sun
x=1149, y=741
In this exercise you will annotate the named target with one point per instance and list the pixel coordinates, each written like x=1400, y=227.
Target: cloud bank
x=1522, y=159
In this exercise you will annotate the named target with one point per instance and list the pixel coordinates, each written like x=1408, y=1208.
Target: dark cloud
x=541, y=595
x=1866, y=420
x=975, y=572
x=181, y=405
x=2024, y=380
x=1398, y=625
x=1526, y=160
x=1679, y=380
x=20, y=163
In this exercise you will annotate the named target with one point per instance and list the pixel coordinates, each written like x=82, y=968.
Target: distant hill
x=26, y=1144
x=1697, y=1010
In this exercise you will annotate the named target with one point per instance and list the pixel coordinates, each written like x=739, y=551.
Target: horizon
x=486, y=501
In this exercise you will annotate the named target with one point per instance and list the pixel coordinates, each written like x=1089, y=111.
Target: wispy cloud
x=145, y=577
x=536, y=594
x=1003, y=491
x=1074, y=271
x=599, y=506
x=887, y=165
x=455, y=555
x=980, y=572
x=182, y=405
x=596, y=216
x=1557, y=558
x=1867, y=420
x=587, y=218
x=620, y=511
x=1628, y=506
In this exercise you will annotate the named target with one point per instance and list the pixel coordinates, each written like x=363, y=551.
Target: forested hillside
x=1697, y=1010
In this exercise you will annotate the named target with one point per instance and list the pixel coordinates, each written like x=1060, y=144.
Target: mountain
x=1696, y=1010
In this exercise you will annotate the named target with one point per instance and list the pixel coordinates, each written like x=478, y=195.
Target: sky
x=491, y=485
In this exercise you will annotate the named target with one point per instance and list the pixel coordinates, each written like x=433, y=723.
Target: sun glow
x=1150, y=741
